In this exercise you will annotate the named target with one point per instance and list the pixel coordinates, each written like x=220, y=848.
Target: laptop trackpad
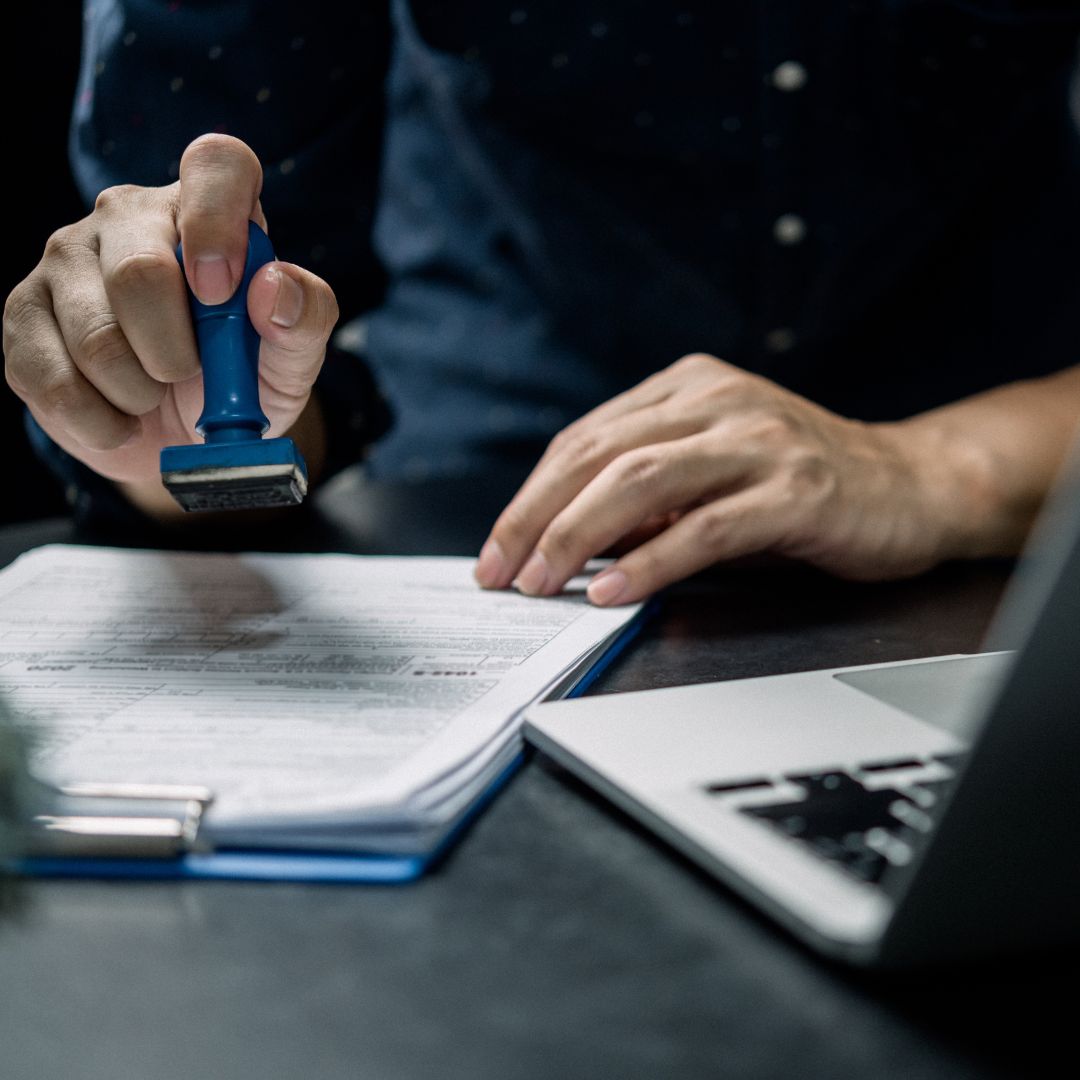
x=949, y=694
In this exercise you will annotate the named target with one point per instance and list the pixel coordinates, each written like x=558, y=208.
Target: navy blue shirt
x=528, y=207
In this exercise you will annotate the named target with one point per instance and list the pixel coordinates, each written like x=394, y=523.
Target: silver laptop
x=889, y=815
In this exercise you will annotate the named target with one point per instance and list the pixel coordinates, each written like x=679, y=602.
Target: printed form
x=323, y=698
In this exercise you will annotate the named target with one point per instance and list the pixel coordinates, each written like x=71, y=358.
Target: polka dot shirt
x=525, y=208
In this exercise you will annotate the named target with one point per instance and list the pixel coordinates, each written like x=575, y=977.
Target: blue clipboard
x=269, y=864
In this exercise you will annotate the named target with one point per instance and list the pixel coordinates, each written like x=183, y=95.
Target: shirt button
x=790, y=75
x=789, y=230
x=780, y=340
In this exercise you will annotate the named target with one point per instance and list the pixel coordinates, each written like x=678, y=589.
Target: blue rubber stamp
x=235, y=468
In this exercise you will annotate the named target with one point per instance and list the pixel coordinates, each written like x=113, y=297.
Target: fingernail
x=491, y=565
x=534, y=575
x=606, y=587
x=213, y=279
x=289, y=300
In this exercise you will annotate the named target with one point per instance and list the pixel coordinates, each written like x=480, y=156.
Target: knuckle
x=28, y=377
x=693, y=360
x=559, y=543
x=697, y=362
x=719, y=389
x=514, y=523
x=141, y=269
x=216, y=151
x=152, y=370
x=773, y=428
x=712, y=527
x=168, y=367
x=21, y=310
x=102, y=344
x=115, y=198
x=15, y=373
x=731, y=381
x=22, y=306
x=59, y=393
x=559, y=441
x=62, y=242
x=584, y=448
x=639, y=470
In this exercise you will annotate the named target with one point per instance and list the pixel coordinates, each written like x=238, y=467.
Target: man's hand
x=704, y=462
x=98, y=339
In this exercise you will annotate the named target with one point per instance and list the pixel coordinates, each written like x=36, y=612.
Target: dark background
x=39, y=86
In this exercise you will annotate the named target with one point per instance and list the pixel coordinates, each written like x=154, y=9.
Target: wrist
x=962, y=492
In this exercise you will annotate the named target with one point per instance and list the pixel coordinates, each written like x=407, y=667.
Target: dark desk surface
x=558, y=939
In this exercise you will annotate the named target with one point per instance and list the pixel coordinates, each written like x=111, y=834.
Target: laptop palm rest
x=950, y=694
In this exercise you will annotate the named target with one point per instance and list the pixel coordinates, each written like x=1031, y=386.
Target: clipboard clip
x=118, y=821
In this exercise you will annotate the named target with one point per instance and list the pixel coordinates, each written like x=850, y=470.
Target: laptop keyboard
x=864, y=820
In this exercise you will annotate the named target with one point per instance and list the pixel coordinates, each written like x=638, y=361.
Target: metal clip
x=136, y=821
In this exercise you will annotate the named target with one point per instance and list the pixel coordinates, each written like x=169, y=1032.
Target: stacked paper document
x=331, y=703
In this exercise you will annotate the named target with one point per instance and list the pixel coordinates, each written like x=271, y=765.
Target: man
x=870, y=213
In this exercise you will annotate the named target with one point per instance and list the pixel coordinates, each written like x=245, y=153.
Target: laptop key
x=892, y=766
x=726, y=787
x=840, y=820
x=937, y=788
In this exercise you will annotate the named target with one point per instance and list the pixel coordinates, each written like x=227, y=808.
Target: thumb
x=294, y=312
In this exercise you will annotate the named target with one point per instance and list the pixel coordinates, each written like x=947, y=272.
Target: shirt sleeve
x=301, y=84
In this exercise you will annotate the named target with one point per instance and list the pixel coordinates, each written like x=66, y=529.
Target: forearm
x=988, y=461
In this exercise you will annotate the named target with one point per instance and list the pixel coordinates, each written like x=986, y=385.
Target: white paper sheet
x=302, y=689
